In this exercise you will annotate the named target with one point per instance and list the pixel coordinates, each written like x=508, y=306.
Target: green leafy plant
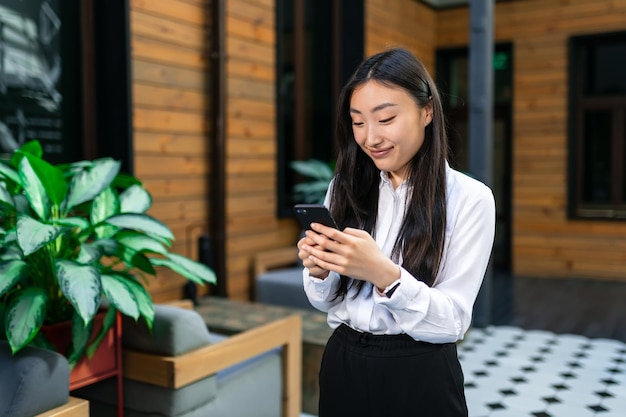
x=314, y=190
x=75, y=239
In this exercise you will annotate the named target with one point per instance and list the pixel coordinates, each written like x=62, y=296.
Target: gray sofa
x=32, y=381
x=180, y=342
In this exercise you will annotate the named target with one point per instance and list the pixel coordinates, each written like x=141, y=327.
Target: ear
x=428, y=113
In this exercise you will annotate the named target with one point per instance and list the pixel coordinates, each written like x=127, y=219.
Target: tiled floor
x=536, y=373
x=511, y=372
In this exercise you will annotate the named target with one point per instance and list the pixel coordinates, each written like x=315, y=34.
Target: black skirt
x=370, y=375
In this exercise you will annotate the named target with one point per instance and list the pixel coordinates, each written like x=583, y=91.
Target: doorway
x=452, y=79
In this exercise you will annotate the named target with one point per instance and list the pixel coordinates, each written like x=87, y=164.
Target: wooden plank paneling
x=259, y=71
x=189, y=209
x=403, y=23
x=170, y=143
x=173, y=98
x=251, y=138
x=167, y=31
x=166, y=53
x=171, y=121
x=168, y=74
x=157, y=166
x=180, y=187
x=250, y=203
x=192, y=13
x=251, y=29
x=262, y=109
x=250, y=50
x=251, y=89
x=261, y=182
x=251, y=129
x=251, y=147
x=239, y=166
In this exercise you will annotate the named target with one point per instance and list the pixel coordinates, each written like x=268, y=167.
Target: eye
x=387, y=120
x=357, y=124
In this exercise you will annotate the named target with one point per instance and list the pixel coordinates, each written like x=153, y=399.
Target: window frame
x=578, y=105
x=347, y=45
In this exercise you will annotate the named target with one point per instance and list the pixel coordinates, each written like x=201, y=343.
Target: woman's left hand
x=352, y=252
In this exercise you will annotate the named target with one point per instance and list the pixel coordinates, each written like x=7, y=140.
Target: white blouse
x=438, y=314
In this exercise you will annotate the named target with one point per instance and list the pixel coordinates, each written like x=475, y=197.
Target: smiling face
x=389, y=126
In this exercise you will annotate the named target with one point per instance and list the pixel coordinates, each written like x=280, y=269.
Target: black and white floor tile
x=534, y=373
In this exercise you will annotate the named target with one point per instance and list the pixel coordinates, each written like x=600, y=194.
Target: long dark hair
x=354, y=195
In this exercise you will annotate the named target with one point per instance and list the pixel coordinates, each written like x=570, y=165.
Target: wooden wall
x=251, y=201
x=545, y=242
x=170, y=80
x=404, y=23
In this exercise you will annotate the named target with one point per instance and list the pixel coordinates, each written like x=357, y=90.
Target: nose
x=373, y=137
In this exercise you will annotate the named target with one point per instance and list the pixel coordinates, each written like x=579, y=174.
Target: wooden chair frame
x=75, y=407
x=274, y=258
x=178, y=371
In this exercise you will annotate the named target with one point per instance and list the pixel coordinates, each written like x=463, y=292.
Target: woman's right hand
x=304, y=256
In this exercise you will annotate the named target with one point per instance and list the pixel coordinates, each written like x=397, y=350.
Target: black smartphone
x=313, y=213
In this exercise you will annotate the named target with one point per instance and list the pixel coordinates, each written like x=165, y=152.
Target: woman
x=400, y=278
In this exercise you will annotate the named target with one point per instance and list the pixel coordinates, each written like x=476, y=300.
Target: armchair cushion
x=278, y=281
x=175, y=331
x=282, y=287
x=141, y=398
x=33, y=380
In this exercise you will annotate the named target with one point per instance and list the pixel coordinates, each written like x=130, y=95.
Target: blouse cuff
x=323, y=286
x=408, y=290
x=389, y=289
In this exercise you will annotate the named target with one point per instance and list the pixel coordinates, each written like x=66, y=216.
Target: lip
x=380, y=153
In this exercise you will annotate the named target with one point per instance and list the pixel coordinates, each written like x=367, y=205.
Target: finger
x=317, y=239
x=313, y=268
x=329, y=232
x=326, y=259
x=309, y=264
x=324, y=265
x=350, y=231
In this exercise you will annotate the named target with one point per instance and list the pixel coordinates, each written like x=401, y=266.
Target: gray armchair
x=183, y=370
x=35, y=382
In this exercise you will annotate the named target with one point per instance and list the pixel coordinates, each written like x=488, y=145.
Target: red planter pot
x=105, y=363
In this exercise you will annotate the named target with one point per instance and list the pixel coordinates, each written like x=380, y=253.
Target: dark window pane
x=624, y=167
x=458, y=82
x=605, y=66
x=502, y=90
x=597, y=157
x=320, y=101
x=312, y=106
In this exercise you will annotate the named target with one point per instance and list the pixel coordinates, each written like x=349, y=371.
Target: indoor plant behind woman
x=74, y=238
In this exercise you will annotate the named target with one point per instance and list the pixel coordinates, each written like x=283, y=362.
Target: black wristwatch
x=389, y=291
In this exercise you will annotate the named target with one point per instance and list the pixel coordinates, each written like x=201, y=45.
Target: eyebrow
x=375, y=109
